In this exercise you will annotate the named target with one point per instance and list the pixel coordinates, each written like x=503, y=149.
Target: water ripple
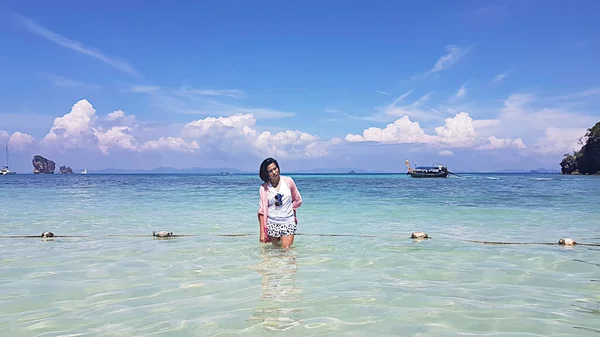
x=206, y=285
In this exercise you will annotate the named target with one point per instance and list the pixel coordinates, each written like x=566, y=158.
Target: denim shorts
x=278, y=230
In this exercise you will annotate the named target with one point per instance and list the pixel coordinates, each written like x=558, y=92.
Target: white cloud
x=445, y=62
x=121, y=117
x=81, y=129
x=336, y=141
x=585, y=93
x=523, y=114
x=65, y=82
x=401, y=97
x=516, y=102
x=485, y=123
x=458, y=131
x=234, y=125
x=143, y=89
x=19, y=141
x=501, y=143
x=202, y=102
x=233, y=93
x=499, y=77
x=399, y=132
x=238, y=133
x=263, y=113
x=175, y=144
x=115, y=115
x=74, y=129
x=461, y=92
x=117, y=137
x=74, y=45
x=558, y=141
x=416, y=109
x=522, y=120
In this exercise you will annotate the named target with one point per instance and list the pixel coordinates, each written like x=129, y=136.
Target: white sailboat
x=5, y=171
x=84, y=171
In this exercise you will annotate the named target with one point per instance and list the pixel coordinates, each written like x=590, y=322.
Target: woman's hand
x=263, y=237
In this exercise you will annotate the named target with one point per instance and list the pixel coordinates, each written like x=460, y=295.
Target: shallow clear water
x=117, y=280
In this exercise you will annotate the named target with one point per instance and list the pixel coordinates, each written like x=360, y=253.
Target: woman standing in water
x=279, y=199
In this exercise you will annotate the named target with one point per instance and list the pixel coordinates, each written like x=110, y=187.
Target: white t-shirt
x=283, y=213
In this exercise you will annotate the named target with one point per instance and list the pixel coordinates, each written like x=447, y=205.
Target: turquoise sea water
x=117, y=280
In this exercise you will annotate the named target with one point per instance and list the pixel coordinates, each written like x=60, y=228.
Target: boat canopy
x=427, y=167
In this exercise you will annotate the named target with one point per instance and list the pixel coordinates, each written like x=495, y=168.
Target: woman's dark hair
x=263, y=173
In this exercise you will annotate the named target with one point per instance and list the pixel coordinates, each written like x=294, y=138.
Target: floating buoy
x=162, y=234
x=567, y=242
x=47, y=234
x=419, y=235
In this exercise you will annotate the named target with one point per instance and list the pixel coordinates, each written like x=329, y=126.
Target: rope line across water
x=169, y=235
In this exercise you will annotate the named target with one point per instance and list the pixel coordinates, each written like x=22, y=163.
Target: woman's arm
x=261, y=218
x=296, y=197
x=261, y=228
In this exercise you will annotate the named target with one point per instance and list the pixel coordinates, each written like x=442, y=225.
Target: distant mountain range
x=338, y=171
x=231, y=170
x=163, y=169
x=539, y=170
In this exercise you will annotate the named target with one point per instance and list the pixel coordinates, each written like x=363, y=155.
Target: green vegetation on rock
x=587, y=159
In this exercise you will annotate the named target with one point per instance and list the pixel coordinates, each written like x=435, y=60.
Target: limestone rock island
x=42, y=165
x=65, y=170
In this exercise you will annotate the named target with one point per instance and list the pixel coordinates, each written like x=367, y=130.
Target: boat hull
x=8, y=173
x=443, y=174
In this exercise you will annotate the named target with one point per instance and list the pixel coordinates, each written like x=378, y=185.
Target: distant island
x=65, y=170
x=230, y=170
x=539, y=170
x=42, y=165
x=587, y=159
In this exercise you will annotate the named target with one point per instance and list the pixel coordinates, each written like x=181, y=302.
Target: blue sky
x=478, y=85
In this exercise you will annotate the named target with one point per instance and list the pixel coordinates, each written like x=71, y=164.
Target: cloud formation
x=79, y=47
x=458, y=131
x=417, y=109
x=17, y=142
x=523, y=124
x=233, y=93
x=203, y=102
x=446, y=61
x=82, y=129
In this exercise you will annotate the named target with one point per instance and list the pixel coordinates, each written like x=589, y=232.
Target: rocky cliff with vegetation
x=65, y=170
x=586, y=160
x=43, y=165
